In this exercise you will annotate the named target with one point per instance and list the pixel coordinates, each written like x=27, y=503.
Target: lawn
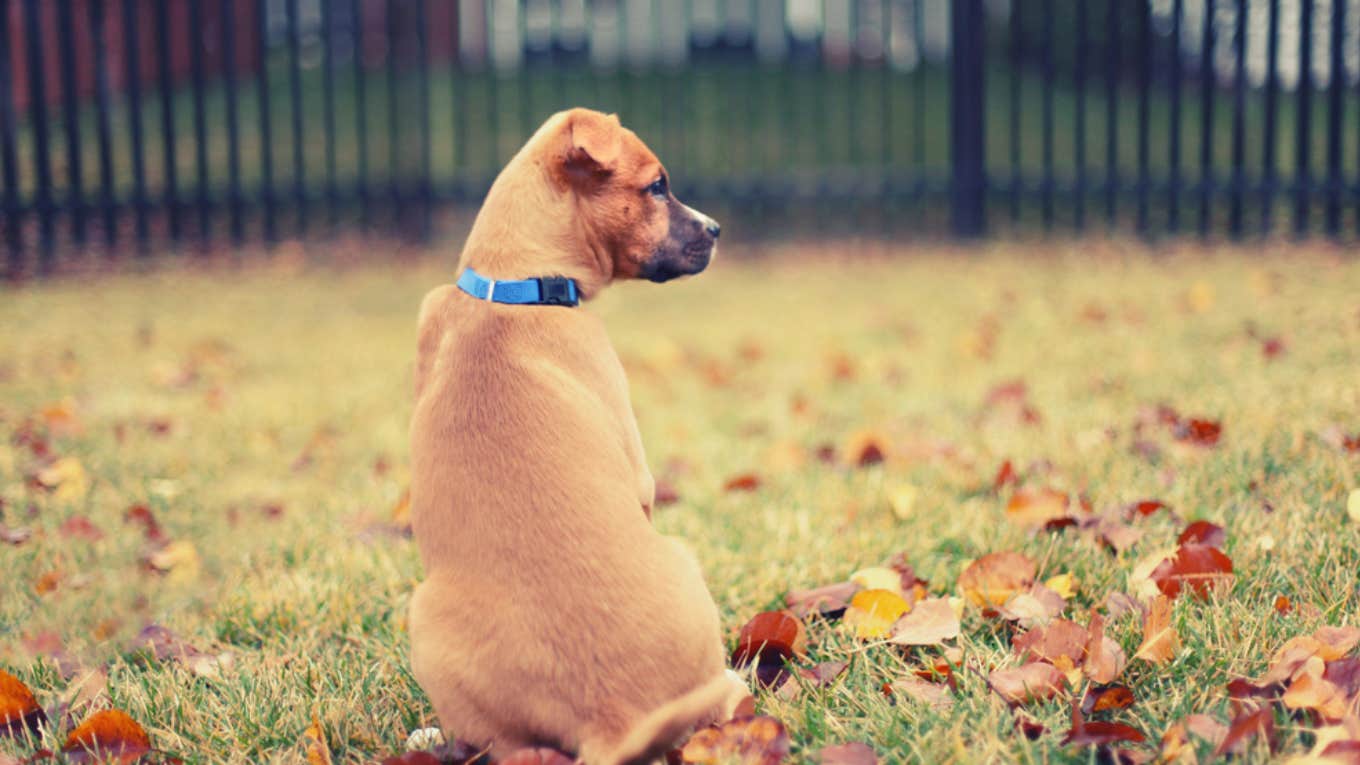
x=259, y=415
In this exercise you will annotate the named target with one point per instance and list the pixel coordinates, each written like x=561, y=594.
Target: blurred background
x=140, y=126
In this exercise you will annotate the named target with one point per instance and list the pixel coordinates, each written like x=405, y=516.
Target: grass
x=286, y=446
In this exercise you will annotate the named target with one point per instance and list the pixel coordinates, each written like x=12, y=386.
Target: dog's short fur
x=553, y=613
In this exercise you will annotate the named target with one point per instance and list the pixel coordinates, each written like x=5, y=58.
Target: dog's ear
x=594, y=142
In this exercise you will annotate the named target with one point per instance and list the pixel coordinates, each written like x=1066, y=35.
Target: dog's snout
x=713, y=228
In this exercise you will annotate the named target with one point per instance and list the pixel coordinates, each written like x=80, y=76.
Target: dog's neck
x=528, y=229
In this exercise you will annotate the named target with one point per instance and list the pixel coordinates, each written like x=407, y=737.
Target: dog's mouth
x=692, y=258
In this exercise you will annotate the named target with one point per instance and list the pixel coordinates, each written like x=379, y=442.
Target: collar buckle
x=556, y=290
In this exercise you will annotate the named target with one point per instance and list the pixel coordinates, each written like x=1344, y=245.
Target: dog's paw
x=424, y=740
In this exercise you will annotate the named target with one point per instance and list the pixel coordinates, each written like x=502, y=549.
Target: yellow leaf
x=1353, y=505
x=878, y=578
x=1063, y=584
x=902, y=500
x=179, y=559
x=66, y=478
x=314, y=741
x=872, y=613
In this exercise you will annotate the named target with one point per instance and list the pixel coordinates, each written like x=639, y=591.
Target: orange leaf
x=1199, y=432
x=1061, y=642
x=1105, y=658
x=748, y=741
x=1105, y=698
x=18, y=708
x=872, y=612
x=1159, y=635
x=742, y=482
x=1259, y=723
x=314, y=744
x=992, y=579
x=1310, y=691
x=865, y=448
x=108, y=736
x=930, y=622
x=1036, y=507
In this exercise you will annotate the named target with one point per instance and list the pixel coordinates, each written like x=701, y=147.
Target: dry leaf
x=772, y=636
x=1105, y=659
x=1065, y=585
x=935, y=695
x=1037, y=507
x=1203, y=533
x=853, y=753
x=994, y=578
x=1038, y=606
x=1310, y=691
x=742, y=482
x=1199, y=567
x=65, y=478
x=828, y=600
x=878, y=578
x=19, y=709
x=872, y=612
x=1260, y=723
x=314, y=744
x=1160, y=640
x=108, y=736
x=1036, y=681
x=179, y=560
x=748, y=741
x=1105, y=698
x=1061, y=643
x=864, y=448
x=902, y=500
x=930, y=622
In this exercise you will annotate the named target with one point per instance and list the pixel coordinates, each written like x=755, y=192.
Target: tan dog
x=553, y=613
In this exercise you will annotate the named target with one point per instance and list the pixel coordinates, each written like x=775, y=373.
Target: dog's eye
x=658, y=187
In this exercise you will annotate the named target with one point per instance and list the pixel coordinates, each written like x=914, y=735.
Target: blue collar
x=547, y=290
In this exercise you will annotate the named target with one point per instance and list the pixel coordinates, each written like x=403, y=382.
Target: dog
x=552, y=613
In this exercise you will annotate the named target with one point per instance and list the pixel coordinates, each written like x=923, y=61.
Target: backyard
x=221, y=451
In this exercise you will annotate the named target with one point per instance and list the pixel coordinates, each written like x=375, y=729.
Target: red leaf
x=1101, y=734
x=1244, y=727
x=1199, y=432
x=141, y=515
x=19, y=710
x=108, y=736
x=1005, y=475
x=1145, y=507
x=1197, y=567
x=769, y=637
x=1203, y=533
x=81, y=527
x=743, y=482
x=1103, y=698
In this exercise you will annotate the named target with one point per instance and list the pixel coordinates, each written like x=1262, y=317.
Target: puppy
x=552, y=612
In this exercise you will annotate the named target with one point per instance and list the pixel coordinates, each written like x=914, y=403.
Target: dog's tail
x=651, y=736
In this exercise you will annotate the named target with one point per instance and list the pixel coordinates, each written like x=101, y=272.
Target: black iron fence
x=181, y=125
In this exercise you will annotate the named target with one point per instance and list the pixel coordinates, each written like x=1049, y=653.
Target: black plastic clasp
x=557, y=290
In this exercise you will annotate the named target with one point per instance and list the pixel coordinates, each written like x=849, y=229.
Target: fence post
x=967, y=161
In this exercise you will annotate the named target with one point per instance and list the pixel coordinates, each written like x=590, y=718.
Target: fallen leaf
x=1338, y=641
x=878, y=578
x=65, y=478
x=1065, y=585
x=1207, y=728
x=19, y=709
x=314, y=744
x=742, y=482
x=14, y=536
x=1198, y=567
x=1005, y=476
x=872, y=612
x=1039, y=605
x=994, y=578
x=853, y=753
x=1100, y=734
x=1160, y=640
x=1311, y=691
x=865, y=448
x=772, y=636
x=902, y=500
x=1106, y=697
x=1203, y=533
x=1199, y=432
x=1105, y=659
x=142, y=516
x=930, y=622
x=1036, y=681
x=179, y=560
x=1258, y=724
x=107, y=736
x=80, y=527
x=163, y=645
x=1146, y=507
x=1037, y=507
x=400, y=513
x=1061, y=643
x=817, y=676
x=830, y=601
x=750, y=741
x=935, y=695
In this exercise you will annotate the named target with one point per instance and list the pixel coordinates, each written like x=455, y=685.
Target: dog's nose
x=713, y=229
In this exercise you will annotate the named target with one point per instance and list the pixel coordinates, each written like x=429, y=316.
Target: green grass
x=311, y=602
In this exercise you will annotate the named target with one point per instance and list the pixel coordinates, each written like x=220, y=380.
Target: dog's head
x=623, y=200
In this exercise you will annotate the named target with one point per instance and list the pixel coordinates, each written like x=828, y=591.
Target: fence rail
x=188, y=124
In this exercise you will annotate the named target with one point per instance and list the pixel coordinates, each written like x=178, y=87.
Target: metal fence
x=185, y=125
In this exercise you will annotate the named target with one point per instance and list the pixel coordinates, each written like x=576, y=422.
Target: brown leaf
x=830, y=601
x=853, y=753
x=1105, y=659
x=865, y=448
x=748, y=741
x=1105, y=698
x=994, y=578
x=1203, y=533
x=1345, y=674
x=929, y=622
x=1200, y=568
x=1198, y=432
x=772, y=636
x=14, y=536
x=1036, y=681
x=1005, y=476
x=1036, y=606
x=108, y=736
x=742, y=482
x=19, y=709
x=1338, y=640
x=1207, y=728
x=1260, y=723
x=1100, y=734
x=1311, y=691
x=1061, y=643
x=142, y=516
x=163, y=645
x=1160, y=640
x=936, y=695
